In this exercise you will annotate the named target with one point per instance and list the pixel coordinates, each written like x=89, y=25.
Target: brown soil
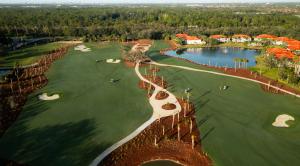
x=144, y=41
x=169, y=106
x=161, y=95
x=157, y=80
x=172, y=44
x=129, y=64
x=155, y=69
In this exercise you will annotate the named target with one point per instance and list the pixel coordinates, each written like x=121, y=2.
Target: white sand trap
x=281, y=120
x=82, y=48
x=45, y=96
x=113, y=61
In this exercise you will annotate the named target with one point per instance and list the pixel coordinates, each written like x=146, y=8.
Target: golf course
x=92, y=101
x=236, y=124
x=92, y=111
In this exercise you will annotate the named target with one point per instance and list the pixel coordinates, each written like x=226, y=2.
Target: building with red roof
x=293, y=45
x=190, y=39
x=241, y=38
x=280, y=53
x=268, y=37
x=265, y=36
x=220, y=38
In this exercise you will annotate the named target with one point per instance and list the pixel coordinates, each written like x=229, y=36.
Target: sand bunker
x=82, y=48
x=281, y=120
x=113, y=61
x=45, y=96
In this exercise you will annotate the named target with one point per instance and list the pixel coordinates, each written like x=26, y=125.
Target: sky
x=138, y=1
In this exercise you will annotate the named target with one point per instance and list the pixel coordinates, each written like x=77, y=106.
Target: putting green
x=91, y=114
x=236, y=124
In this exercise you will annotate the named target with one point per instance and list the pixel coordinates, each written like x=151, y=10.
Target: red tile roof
x=192, y=38
x=281, y=52
x=217, y=36
x=284, y=39
x=295, y=47
x=181, y=35
x=187, y=37
x=240, y=36
x=266, y=36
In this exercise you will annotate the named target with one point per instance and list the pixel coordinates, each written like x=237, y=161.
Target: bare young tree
x=178, y=132
x=193, y=141
x=173, y=121
x=191, y=126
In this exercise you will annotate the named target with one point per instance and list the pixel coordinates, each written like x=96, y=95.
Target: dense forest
x=120, y=23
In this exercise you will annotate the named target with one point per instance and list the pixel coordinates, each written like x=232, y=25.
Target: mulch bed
x=161, y=95
x=169, y=106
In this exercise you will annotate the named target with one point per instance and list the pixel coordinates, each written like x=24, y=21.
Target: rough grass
x=92, y=114
x=27, y=56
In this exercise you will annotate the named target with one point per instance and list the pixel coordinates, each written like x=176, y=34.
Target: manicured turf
x=91, y=114
x=236, y=124
x=28, y=55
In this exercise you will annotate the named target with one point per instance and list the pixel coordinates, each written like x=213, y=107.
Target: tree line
x=123, y=23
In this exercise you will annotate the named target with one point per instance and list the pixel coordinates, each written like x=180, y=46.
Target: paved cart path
x=158, y=112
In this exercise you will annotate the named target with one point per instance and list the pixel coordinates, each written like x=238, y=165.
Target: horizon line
x=105, y=3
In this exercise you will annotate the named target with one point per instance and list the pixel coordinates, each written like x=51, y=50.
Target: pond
x=161, y=163
x=219, y=56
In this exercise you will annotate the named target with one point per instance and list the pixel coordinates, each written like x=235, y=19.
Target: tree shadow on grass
x=206, y=134
x=62, y=144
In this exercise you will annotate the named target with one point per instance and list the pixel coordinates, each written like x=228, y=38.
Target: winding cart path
x=158, y=112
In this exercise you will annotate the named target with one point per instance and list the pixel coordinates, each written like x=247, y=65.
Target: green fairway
x=92, y=113
x=236, y=124
x=27, y=56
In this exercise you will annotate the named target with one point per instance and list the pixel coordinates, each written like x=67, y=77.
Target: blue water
x=220, y=56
